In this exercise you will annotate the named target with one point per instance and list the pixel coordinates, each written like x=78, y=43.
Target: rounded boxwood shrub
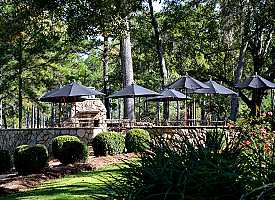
x=5, y=161
x=30, y=159
x=73, y=151
x=137, y=140
x=108, y=143
x=58, y=142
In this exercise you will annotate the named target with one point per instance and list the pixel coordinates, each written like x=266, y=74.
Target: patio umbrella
x=69, y=93
x=215, y=88
x=132, y=91
x=169, y=95
x=188, y=82
x=256, y=82
x=72, y=92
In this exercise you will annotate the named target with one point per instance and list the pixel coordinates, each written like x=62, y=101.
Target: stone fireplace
x=89, y=113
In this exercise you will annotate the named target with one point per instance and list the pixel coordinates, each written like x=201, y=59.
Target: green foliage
x=258, y=150
x=264, y=192
x=137, y=140
x=108, y=143
x=58, y=143
x=5, y=161
x=219, y=166
x=214, y=139
x=30, y=159
x=72, y=152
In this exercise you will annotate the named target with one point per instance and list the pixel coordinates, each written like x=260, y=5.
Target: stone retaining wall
x=11, y=138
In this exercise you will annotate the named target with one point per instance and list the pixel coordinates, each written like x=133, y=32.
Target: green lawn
x=84, y=185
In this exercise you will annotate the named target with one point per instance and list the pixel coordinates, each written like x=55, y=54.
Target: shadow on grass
x=84, y=185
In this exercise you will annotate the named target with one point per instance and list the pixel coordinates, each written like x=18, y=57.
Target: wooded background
x=110, y=43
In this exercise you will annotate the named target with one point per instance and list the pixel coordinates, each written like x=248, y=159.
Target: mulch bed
x=15, y=183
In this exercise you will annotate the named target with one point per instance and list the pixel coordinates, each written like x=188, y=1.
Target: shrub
x=137, y=140
x=108, y=143
x=58, y=142
x=30, y=159
x=5, y=161
x=73, y=151
x=182, y=168
x=214, y=139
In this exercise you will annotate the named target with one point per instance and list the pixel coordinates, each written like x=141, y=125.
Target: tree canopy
x=48, y=43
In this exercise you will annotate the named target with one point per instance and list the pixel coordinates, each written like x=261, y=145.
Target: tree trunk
x=20, y=85
x=256, y=102
x=106, y=74
x=127, y=69
x=159, y=48
x=1, y=114
x=4, y=117
x=238, y=76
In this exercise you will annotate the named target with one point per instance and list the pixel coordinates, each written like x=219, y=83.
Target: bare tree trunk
x=127, y=69
x=238, y=76
x=20, y=85
x=106, y=74
x=159, y=48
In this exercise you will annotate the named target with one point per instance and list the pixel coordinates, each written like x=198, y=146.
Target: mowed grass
x=84, y=185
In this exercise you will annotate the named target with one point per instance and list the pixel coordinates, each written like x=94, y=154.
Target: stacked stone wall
x=11, y=138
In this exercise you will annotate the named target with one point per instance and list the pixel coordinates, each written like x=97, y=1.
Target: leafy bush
x=30, y=159
x=58, y=142
x=214, y=138
x=266, y=191
x=233, y=164
x=183, y=168
x=137, y=140
x=5, y=161
x=108, y=143
x=73, y=151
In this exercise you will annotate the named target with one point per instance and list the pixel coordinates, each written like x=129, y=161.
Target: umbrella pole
x=272, y=101
x=192, y=111
x=158, y=112
x=134, y=110
x=118, y=102
x=146, y=108
x=185, y=109
x=52, y=114
x=177, y=112
x=59, y=115
x=139, y=109
x=168, y=112
x=210, y=111
x=195, y=114
x=111, y=110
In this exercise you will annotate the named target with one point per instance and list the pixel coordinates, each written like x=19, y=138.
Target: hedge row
x=112, y=143
x=34, y=158
x=69, y=149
